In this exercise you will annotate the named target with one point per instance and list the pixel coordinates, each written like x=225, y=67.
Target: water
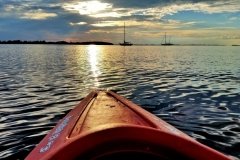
x=194, y=88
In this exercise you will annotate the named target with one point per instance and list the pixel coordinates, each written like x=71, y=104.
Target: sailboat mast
x=165, y=37
x=166, y=42
x=124, y=38
x=124, y=33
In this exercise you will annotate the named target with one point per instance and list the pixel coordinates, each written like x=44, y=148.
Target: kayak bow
x=107, y=126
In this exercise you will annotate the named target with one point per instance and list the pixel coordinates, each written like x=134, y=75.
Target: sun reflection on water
x=93, y=55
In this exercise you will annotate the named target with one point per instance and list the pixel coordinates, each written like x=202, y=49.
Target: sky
x=184, y=21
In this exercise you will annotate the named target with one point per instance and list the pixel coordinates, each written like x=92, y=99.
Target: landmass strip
x=58, y=42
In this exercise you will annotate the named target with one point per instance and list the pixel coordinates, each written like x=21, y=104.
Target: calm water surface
x=196, y=89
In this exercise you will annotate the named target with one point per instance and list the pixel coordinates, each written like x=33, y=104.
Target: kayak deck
x=103, y=110
x=107, y=126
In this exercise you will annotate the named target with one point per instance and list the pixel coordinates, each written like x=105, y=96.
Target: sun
x=88, y=7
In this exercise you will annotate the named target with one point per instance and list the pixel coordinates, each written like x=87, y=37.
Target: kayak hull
x=107, y=126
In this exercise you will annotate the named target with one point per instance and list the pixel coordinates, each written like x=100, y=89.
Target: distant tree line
x=58, y=42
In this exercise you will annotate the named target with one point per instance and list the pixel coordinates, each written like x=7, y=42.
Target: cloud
x=77, y=23
x=161, y=11
x=234, y=18
x=87, y=7
x=37, y=15
x=108, y=24
x=212, y=7
x=27, y=10
x=167, y=24
x=146, y=10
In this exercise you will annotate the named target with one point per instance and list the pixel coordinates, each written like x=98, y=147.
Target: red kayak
x=106, y=126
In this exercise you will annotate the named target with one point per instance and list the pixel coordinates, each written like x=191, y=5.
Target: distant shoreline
x=99, y=43
x=58, y=42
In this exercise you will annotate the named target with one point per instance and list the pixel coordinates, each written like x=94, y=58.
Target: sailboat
x=125, y=43
x=165, y=41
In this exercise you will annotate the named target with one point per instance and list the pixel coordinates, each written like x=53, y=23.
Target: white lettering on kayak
x=55, y=134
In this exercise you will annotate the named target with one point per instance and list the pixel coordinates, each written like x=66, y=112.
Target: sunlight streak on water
x=93, y=56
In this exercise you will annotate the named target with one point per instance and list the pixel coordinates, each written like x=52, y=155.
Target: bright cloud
x=95, y=9
x=78, y=23
x=216, y=7
x=107, y=14
x=37, y=15
x=107, y=24
x=87, y=7
x=100, y=9
x=145, y=25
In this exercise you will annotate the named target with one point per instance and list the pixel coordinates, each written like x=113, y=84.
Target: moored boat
x=165, y=41
x=107, y=126
x=125, y=43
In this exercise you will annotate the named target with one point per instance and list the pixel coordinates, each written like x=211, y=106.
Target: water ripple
x=196, y=89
